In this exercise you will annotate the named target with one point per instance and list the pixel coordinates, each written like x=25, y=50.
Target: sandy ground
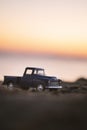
x=25, y=110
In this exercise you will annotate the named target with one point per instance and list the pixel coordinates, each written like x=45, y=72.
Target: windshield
x=39, y=72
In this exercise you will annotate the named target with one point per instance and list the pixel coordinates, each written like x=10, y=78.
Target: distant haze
x=63, y=68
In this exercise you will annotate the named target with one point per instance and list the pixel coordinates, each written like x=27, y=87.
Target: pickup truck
x=34, y=78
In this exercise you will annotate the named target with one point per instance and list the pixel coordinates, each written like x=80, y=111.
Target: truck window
x=29, y=71
x=35, y=71
x=40, y=72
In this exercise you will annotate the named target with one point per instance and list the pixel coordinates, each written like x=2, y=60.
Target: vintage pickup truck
x=34, y=78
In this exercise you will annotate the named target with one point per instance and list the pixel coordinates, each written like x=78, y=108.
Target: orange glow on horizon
x=43, y=46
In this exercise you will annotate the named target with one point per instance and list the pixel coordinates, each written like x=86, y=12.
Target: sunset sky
x=56, y=27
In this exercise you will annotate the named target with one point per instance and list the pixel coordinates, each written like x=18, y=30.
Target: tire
x=10, y=85
x=40, y=87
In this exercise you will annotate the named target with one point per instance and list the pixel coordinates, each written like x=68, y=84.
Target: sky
x=55, y=27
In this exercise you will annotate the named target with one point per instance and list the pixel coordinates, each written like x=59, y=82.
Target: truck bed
x=13, y=79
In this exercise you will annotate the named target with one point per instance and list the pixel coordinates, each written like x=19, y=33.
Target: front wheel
x=40, y=87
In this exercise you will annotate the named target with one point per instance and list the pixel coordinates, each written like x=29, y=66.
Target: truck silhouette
x=34, y=78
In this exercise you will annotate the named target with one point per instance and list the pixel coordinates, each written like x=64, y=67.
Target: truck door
x=27, y=79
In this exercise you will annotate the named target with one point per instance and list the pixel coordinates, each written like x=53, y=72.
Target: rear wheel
x=10, y=85
x=40, y=87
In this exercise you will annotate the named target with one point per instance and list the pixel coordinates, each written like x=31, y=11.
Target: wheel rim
x=10, y=86
x=40, y=87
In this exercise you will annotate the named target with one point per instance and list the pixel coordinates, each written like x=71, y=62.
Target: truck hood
x=47, y=77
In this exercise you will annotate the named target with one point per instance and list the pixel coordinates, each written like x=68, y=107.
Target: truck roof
x=34, y=68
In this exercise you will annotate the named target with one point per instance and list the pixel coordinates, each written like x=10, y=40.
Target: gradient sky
x=57, y=27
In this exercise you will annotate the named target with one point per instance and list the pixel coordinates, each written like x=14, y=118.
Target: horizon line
x=45, y=55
